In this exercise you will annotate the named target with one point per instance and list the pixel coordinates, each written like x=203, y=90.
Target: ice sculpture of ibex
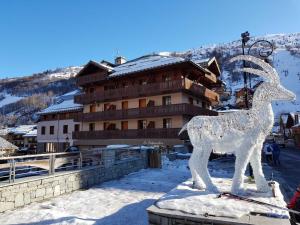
x=242, y=132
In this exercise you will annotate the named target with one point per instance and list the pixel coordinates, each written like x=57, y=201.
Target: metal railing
x=15, y=167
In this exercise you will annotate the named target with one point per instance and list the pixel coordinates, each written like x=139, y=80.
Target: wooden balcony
x=91, y=78
x=128, y=134
x=153, y=111
x=136, y=91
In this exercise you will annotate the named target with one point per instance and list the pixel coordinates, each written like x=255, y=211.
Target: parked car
x=72, y=149
x=23, y=150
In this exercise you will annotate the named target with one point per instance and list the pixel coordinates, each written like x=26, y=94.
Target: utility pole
x=245, y=38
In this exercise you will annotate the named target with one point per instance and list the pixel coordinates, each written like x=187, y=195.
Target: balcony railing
x=153, y=111
x=128, y=134
x=91, y=78
x=148, y=90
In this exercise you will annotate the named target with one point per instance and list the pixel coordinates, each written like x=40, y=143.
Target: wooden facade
x=152, y=103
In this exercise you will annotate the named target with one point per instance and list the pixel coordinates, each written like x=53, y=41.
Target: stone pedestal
x=157, y=216
x=185, y=205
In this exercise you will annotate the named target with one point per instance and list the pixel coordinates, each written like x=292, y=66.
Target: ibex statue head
x=271, y=89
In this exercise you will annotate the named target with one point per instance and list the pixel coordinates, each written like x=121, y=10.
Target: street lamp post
x=245, y=38
x=263, y=49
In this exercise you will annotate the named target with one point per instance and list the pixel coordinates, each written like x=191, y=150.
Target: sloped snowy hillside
x=285, y=59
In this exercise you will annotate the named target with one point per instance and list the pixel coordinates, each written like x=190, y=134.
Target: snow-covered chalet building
x=143, y=101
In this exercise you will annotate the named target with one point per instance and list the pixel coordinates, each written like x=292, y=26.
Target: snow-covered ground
x=116, y=202
x=125, y=201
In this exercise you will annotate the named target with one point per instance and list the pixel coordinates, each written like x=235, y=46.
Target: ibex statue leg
x=241, y=161
x=193, y=162
x=255, y=161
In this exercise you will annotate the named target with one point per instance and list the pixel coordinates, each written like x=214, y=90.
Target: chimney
x=120, y=60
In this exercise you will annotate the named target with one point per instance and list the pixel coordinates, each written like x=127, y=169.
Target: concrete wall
x=41, y=188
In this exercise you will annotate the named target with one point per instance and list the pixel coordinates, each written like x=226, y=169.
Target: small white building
x=54, y=133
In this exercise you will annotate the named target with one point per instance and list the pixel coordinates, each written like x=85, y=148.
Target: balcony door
x=124, y=125
x=166, y=100
x=125, y=105
x=142, y=124
x=93, y=108
x=142, y=103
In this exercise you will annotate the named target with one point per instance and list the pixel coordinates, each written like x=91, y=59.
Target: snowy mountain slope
x=8, y=99
x=22, y=97
x=285, y=59
x=288, y=68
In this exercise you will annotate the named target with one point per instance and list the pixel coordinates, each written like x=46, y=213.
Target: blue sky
x=45, y=34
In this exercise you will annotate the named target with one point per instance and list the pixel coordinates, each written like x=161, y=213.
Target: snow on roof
x=145, y=63
x=32, y=133
x=71, y=93
x=5, y=145
x=64, y=106
x=201, y=61
x=4, y=131
x=22, y=129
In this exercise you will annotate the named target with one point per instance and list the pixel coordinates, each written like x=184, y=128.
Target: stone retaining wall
x=45, y=187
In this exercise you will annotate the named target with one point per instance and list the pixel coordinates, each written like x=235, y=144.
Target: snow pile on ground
x=116, y=202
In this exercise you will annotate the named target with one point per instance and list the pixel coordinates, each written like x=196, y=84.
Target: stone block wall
x=45, y=187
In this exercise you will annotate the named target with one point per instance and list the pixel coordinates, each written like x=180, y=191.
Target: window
x=124, y=125
x=91, y=126
x=167, y=123
x=125, y=105
x=93, y=108
x=191, y=100
x=151, y=125
x=166, y=100
x=65, y=129
x=142, y=124
x=142, y=103
x=111, y=126
x=105, y=125
x=43, y=130
x=76, y=127
x=51, y=129
x=151, y=103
